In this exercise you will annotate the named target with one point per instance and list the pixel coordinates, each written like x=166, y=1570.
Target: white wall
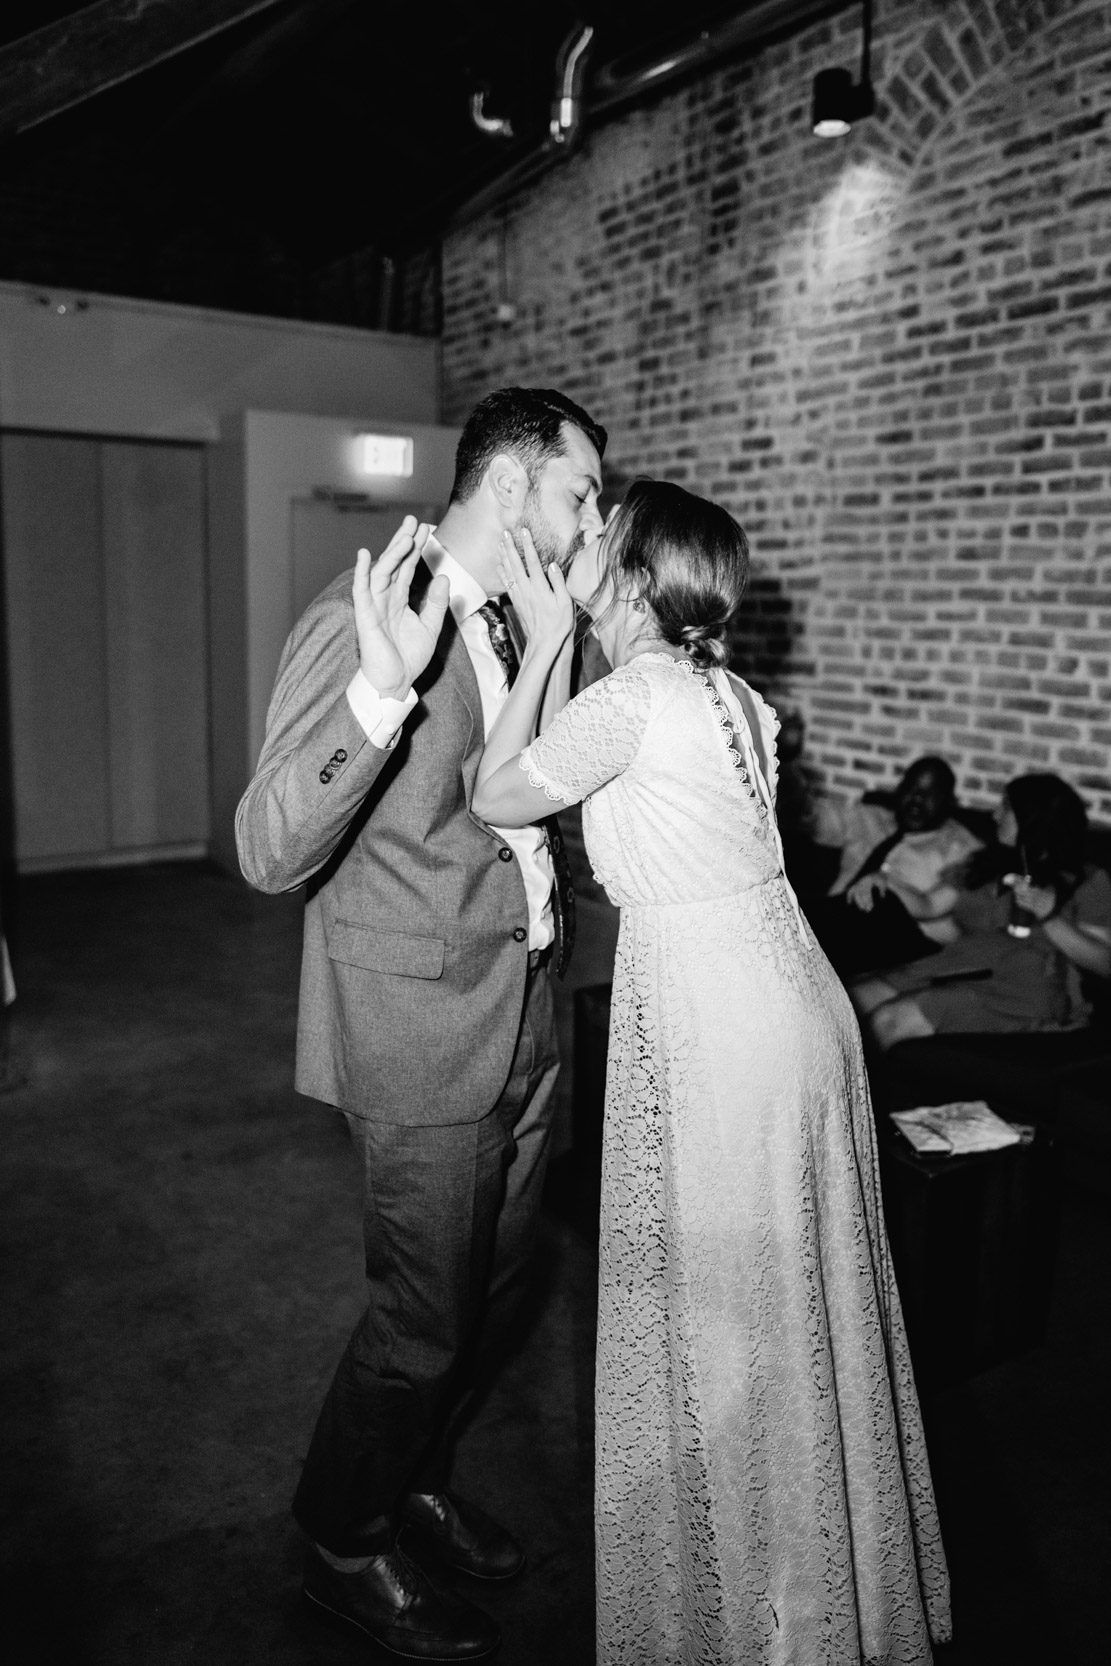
x=227, y=639
x=150, y=370
x=147, y=368
x=265, y=460
x=287, y=456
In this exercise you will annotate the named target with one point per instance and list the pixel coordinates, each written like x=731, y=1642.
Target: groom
x=425, y=1010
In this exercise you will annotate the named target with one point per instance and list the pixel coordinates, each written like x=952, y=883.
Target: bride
x=763, y=1494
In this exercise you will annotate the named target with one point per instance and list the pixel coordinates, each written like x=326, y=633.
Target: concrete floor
x=183, y=1267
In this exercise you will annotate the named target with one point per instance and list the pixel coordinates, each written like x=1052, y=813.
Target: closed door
x=153, y=540
x=105, y=617
x=57, y=652
x=326, y=537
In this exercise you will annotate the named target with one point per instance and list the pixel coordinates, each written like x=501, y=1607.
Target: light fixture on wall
x=386, y=454
x=837, y=102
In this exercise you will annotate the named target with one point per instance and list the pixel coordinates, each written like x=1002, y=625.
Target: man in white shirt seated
x=893, y=898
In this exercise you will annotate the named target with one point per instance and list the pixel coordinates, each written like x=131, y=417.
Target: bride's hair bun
x=705, y=644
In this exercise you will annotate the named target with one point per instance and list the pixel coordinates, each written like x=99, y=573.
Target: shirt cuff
x=379, y=718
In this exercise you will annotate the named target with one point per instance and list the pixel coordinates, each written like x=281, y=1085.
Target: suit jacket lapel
x=461, y=675
x=456, y=661
x=451, y=665
x=450, y=659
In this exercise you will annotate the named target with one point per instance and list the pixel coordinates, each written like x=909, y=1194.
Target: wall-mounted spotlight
x=837, y=102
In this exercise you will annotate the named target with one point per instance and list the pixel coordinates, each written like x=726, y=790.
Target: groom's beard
x=573, y=548
x=544, y=539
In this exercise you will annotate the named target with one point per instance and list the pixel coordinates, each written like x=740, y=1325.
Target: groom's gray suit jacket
x=416, y=923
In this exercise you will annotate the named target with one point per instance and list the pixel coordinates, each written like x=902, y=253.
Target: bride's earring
x=640, y=606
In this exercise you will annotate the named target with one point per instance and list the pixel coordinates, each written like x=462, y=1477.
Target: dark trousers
x=449, y=1220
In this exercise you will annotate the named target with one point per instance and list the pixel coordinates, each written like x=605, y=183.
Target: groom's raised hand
x=395, y=643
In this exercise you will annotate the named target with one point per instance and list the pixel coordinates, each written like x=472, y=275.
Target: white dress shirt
x=382, y=719
x=924, y=862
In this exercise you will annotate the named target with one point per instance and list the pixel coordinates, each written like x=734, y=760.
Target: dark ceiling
x=307, y=129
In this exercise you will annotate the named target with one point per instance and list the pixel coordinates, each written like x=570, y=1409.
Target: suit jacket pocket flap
x=386, y=951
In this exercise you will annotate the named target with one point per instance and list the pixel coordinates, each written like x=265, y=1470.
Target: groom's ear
x=508, y=482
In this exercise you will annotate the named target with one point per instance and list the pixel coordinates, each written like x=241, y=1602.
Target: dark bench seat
x=1020, y=1076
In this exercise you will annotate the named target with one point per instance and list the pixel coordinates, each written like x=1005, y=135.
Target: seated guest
x=1032, y=920
x=893, y=898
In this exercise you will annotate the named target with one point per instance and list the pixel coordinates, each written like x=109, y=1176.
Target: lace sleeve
x=594, y=738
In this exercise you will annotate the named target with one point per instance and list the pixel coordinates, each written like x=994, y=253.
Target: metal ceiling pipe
x=495, y=127
x=566, y=123
x=630, y=76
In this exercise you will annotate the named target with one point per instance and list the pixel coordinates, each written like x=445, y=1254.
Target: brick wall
x=889, y=356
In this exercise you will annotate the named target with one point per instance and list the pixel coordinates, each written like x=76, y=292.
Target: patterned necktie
x=500, y=639
x=564, y=891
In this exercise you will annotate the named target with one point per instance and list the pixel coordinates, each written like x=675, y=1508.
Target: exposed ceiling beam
x=73, y=59
x=267, y=52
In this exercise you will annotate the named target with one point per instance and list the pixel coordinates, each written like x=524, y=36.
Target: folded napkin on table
x=954, y=1130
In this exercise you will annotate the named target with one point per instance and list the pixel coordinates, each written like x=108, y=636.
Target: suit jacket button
x=519, y=934
x=339, y=756
x=556, y=843
x=505, y=853
x=325, y=775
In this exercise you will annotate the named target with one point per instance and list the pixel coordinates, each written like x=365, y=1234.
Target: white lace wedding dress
x=763, y=1493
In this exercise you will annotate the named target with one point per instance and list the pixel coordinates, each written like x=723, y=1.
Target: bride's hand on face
x=539, y=596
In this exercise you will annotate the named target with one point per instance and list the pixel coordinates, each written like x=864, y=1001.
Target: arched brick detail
x=960, y=584
x=925, y=71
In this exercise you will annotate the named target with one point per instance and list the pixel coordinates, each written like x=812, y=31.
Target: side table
x=974, y=1242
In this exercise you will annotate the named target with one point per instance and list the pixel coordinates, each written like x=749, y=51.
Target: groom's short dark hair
x=525, y=422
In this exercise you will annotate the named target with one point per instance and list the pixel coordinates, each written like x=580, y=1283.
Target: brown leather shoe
x=443, y=1525
x=395, y=1603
